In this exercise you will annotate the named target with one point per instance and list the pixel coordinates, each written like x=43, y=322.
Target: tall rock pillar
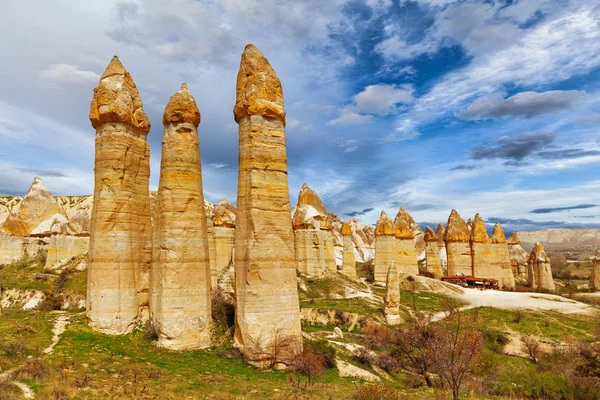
x=595, y=275
x=406, y=251
x=501, y=258
x=441, y=233
x=348, y=257
x=182, y=315
x=481, y=250
x=385, y=247
x=539, y=271
x=266, y=291
x=432, y=253
x=391, y=301
x=519, y=258
x=120, y=235
x=458, y=249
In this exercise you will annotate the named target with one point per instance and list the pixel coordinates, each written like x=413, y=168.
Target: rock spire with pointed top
x=432, y=253
x=458, y=247
x=539, y=271
x=266, y=291
x=391, y=301
x=595, y=275
x=348, y=256
x=121, y=232
x=385, y=247
x=181, y=275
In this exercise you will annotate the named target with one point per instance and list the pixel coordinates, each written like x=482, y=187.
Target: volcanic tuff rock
x=37, y=206
x=432, y=251
x=363, y=237
x=406, y=252
x=120, y=238
x=580, y=243
x=501, y=257
x=440, y=233
x=519, y=258
x=595, y=275
x=266, y=291
x=418, y=233
x=385, y=247
x=391, y=301
x=313, y=241
x=349, y=261
x=181, y=275
x=458, y=248
x=223, y=222
x=539, y=271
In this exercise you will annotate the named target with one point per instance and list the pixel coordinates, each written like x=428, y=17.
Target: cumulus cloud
x=68, y=73
x=525, y=104
x=40, y=172
x=350, y=118
x=400, y=137
x=515, y=147
x=383, y=99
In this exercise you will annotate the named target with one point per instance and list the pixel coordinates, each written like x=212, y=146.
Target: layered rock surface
x=500, y=258
x=432, y=252
x=223, y=236
x=539, y=271
x=406, y=252
x=391, y=301
x=595, y=275
x=458, y=248
x=519, y=258
x=181, y=276
x=441, y=233
x=266, y=292
x=349, y=260
x=385, y=247
x=120, y=237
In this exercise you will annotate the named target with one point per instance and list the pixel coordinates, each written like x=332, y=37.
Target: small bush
x=496, y=341
x=376, y=391
x=388, y=363
x=34, y=368
x=222, y=311
x=364, y=357
x=519, y=315
x=57, y=391
x=51, y=302
x=308, y=363
x=8, y=390
x=324, y=349
x=14, y=348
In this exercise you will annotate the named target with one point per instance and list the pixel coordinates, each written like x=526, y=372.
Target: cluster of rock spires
x=156, y=256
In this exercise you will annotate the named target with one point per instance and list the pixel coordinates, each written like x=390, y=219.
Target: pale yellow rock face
x=11, y=247
x=595, y=275
x=391, y=301
x=348, y=258
x=309, y=219
x=458, y=247
x=37, y=206
x=432, y=252
x=385, y=247
x=418, y=234
x=406, y=252
x=519, y=258
x=223, y=221
x=501, y=257
x=182, y=313
x=120, y=234
x=63, y=247
x=266, y=291
x=539, y=271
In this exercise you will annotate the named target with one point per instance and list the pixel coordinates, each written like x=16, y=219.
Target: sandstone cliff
x=385, y=247
x=406, y=252
x=519, y=258
x=595, y=275
x=391, y=301
x=539, y=271
x=458, y=249
x=432, y=252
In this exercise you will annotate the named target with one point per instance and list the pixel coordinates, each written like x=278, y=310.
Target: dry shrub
x=57, y=391
x=34, y=368
x=308, y=363
x=278, y=349
x=325, y=350
x=14, y=348
x=519, y=315
x=377, y=335
x=376, y=392
x=531, y=346
x=8, y=391
x=364, y=357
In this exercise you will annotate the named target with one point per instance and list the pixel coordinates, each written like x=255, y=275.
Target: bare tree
x=531, y=346
x=276, y=349
x=453, y=350
x=308, y=363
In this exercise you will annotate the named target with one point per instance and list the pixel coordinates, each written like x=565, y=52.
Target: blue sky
x=482, y=106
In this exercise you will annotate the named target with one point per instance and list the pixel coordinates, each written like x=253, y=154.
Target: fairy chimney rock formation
x=458, y=248
x=481, y=250
x=501, y=258
x=441, y=233
x=539, y=273
x=385, y=247
x=120, y=238
x=406, y=252
x=223, y=221
x=348, y=258
x=519, y=257
x=432, y=253
x=391, y=301
x=181, y=277
x=419, y=235
x=595, y=275
x=37, y=206
x=313, y=241
x=266, y=291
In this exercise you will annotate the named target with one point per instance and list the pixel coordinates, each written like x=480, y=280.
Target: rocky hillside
x=579, y=243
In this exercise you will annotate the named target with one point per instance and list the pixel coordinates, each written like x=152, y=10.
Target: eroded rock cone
x=432, y=252
x=406, y=252
x=501, y=257
x=37, y=206
x=120, y=236
x=539, y=274
x=458, y=247
x=309, y=219
x=181, y=278
x=519, y=258
x=391, y=301
x=481, y=250
x=441, y=233
x=266, y=292
x=419, y=235
x=385, y=247
x=348, y=257
x=595, y=275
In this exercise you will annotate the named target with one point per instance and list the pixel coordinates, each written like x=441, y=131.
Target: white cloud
x=68, y=73
x=524, y=104
x=217, y=165
x=350, y=118
x=400, y=137
x=383, y=99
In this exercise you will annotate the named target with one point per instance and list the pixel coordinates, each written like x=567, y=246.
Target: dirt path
x=59, y=328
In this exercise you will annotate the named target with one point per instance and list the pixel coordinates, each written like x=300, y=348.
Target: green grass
x=354, y=305
x=426, y=301
x=20, y=274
